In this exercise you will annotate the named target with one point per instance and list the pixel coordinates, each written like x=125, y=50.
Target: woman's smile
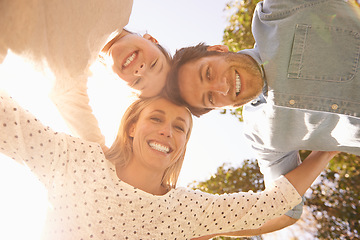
x=160, y=147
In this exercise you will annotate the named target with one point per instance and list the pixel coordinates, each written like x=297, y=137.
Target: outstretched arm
x=270, y=226
x=73, y=105
x=301, y=178
x=304, y=175
x=26, y=140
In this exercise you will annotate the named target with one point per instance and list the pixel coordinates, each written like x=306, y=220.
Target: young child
x=67, y=37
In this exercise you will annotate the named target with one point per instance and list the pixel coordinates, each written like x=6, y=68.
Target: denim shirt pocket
x=337, y=48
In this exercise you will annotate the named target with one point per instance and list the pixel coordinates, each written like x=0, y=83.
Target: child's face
x=138, y=61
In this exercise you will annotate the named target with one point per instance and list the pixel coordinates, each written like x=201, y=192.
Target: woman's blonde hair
x=120, y=153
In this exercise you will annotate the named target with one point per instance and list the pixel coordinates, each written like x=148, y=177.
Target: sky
x=216, y=138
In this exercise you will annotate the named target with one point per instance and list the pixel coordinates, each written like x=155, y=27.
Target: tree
x=333, y=202
x=229, y=179
x=238, y=35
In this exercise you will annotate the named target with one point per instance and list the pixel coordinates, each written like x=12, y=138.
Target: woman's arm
x=26, y=140
x=305, y=174
x=301, y=178
x=270, y=226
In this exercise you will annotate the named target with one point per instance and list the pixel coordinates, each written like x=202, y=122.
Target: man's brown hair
x=181, y=57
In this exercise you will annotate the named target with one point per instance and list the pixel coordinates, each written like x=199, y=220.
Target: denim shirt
x=309, y=51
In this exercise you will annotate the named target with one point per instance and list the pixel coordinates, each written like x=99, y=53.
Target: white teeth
x=237, y=83
x=129, y=60
x=159, y=147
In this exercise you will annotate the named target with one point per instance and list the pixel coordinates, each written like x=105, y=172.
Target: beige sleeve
x=66, y=38
x=73, y=105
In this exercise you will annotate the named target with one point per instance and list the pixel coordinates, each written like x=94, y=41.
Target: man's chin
x=242, y=103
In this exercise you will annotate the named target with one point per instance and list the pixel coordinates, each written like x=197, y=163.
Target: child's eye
x=154, y=63
x=136, y=82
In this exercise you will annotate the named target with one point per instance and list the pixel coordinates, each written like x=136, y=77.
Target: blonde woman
x=131, y=193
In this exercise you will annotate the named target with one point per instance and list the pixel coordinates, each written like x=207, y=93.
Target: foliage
x=236, y=112
x=334, y=202
x=230, y=179
x=238, y=35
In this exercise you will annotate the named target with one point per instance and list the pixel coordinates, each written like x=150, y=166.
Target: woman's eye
x=180, y=128
x=155, y=119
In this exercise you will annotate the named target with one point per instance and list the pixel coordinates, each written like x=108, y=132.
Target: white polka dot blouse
x=88, y=201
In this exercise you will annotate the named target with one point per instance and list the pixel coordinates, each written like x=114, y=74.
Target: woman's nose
x=166, y=131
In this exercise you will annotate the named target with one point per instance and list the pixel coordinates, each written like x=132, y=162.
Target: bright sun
x=23, y=201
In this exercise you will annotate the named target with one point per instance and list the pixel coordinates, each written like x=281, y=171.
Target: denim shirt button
x=334, y=106
x=292, y=102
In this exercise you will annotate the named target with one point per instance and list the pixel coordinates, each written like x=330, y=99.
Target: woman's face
x=159, y=135
x=139, y=61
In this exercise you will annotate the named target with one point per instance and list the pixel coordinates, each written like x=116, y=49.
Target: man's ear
x=218, y=48
x=150, y=38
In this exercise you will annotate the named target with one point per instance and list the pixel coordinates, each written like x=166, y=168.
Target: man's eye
x=208, y=73
x=211, y=98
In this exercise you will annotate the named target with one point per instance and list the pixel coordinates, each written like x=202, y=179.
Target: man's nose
x=140, y=69
x=220, y=86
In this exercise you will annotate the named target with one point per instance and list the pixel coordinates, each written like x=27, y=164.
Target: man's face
x=228, y=79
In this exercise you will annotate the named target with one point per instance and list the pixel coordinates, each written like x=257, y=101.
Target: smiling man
x=300, y=82
x=220, y=79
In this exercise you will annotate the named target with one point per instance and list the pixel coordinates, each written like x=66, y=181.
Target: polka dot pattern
x=88, y=201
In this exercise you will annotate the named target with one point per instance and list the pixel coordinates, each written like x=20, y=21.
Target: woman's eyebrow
x=158, y=111
x=163, y=112
x=181, y=119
